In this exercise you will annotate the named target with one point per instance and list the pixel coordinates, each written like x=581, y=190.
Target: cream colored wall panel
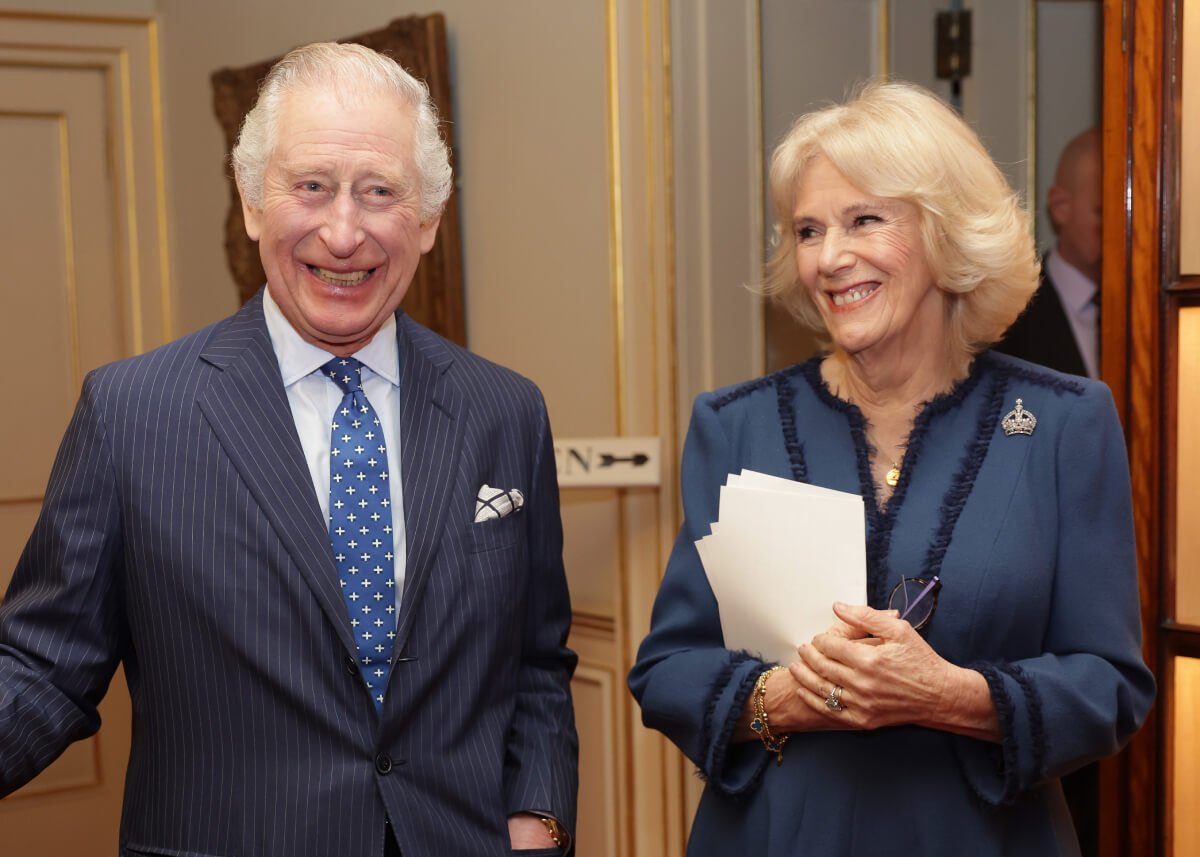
x=1187, y=460
x=92, y=243
x=1185, y=758
x=536, y=195
x=124, y=51
x=997, y=97
x=596, y=828
x=911, y=23
x=38, y=302
x=591, y=550
x=717, y=196
x=596, y=688
x=804, y=66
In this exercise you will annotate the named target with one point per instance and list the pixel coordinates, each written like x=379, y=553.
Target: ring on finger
x=834, y=700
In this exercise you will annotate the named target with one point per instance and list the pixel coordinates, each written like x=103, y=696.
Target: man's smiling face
x=340, y=231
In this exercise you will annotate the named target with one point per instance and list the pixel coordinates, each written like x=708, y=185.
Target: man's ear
x=1058, y=205
x=252, y=217
x=428, y=233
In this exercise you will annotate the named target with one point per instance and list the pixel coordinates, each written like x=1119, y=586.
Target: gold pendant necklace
x=892, y=479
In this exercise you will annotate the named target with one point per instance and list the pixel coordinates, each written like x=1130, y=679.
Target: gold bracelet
x=761, y=723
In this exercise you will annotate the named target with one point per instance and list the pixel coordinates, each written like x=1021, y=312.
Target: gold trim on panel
x=670, y=443
x=114, y=161
x=616, y=237
x=68, y=228
x=21, y=501
x=759, y=225
x=651, y=209
x=884, y=35
x=160, y=185
x=72, y=17
x=131, y=214
x=616, y=261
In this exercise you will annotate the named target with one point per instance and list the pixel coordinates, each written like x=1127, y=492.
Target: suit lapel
x=247, y=407
x=431, y=427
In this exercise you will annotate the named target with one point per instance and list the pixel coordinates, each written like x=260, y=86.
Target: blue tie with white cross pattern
x=360, y=524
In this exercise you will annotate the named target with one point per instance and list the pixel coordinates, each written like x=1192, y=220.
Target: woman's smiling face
x=863, y=263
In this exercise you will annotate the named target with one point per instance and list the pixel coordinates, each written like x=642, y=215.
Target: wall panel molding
x=125, y=50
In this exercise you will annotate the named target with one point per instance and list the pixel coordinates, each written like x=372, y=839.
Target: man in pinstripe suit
x=184, y=535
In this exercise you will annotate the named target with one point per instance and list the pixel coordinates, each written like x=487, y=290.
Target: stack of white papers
x=780, y=553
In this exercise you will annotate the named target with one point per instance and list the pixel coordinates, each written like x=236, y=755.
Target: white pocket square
x=495, y=503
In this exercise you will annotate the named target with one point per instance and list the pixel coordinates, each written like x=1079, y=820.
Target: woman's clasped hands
x=872, y=669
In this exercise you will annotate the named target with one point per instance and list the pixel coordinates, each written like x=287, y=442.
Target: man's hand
x=526, y=831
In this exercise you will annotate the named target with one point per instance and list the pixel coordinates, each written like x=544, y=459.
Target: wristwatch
x=555, y=831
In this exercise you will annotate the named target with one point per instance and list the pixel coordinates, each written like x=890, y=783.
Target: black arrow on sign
x=637, y=460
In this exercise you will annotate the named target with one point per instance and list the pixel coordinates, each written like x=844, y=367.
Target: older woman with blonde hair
x=996, y=490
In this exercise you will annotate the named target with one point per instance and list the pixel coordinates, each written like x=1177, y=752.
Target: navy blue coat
x=1032, y=536
x=180, y=535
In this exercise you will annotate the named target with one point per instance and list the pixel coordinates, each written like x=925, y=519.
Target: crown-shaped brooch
x=1019, y=420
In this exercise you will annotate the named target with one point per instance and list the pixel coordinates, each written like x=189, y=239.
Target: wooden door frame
x=1140, y=211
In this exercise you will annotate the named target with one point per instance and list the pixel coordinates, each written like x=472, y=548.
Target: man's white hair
x=349, y=70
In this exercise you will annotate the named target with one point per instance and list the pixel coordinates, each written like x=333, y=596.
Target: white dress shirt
x=1076, y=293
x=314, y=398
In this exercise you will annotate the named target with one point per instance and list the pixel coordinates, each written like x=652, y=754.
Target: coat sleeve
x=690, y=687
x=541, y=760
x=1089, y=690
x=60, y=622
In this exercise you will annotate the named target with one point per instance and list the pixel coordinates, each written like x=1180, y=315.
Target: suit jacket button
x=351, y=665
x=383, y=764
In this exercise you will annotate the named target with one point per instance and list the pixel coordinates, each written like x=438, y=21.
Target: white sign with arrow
x=607, y=462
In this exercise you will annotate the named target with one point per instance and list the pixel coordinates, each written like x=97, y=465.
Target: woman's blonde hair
x=899, y=141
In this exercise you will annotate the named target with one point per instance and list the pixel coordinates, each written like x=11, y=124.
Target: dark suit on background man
x=181, y=535
x=1060, y=326
x=1043, y=333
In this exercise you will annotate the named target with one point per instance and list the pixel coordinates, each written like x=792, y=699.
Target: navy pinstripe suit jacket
x=180, y=535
